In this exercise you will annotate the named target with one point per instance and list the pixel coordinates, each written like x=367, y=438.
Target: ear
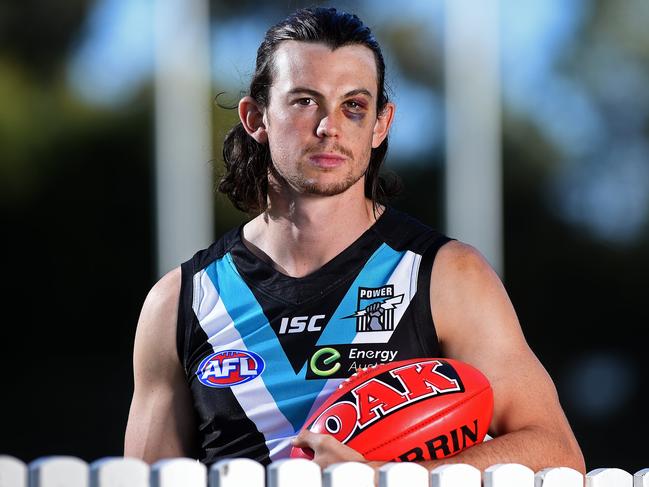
x=382, y=124
x=252, y=118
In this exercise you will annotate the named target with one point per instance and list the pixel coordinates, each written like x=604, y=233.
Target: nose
x=328, y=126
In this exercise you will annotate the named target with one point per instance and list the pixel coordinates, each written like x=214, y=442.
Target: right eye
x=305, y=102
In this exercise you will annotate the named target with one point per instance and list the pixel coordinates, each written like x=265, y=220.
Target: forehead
x=317, y=66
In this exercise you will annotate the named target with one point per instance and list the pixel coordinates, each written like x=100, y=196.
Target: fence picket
x=508, y=475
x=237, y=472
x=609, y=477
x=178, y=472
x=68, y=471
x=455, y=475
x=558, y=477
x=348, y=474
x=13, y=472
x=296, y=472
x=640, y=479
x=119, y=472
x=400, y=474
x=58, y=470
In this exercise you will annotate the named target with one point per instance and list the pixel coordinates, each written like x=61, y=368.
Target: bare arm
x=476, y=323
x=161, y=418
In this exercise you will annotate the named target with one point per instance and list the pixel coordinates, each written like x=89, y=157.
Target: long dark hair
x=246, y=161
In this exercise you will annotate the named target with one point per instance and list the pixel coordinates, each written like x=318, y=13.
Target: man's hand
x=327, y=450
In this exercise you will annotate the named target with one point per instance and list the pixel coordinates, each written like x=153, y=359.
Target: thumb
x=304, y=438
x=302, y=442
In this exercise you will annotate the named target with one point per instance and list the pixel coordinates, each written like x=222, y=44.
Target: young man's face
x=321, y=119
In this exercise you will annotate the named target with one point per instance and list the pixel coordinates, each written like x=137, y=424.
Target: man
x=235, y=349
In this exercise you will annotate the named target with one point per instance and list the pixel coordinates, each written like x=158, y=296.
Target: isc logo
x=229, y=367
x=298, y=324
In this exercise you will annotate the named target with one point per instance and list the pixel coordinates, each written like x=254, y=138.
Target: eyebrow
x=309, y=91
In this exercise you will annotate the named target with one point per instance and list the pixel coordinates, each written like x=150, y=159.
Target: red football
x=419, y=409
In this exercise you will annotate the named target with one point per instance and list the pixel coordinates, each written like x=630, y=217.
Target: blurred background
x=77, y=197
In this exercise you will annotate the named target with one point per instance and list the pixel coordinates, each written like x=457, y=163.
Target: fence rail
x=64, y=471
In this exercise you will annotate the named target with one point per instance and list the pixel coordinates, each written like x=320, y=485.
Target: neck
x=300, y=235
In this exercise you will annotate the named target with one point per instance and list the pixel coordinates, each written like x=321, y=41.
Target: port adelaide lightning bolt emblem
x=375, y=309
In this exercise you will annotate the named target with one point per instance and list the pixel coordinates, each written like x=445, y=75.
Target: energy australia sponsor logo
x=341, y=361
x=380, y=355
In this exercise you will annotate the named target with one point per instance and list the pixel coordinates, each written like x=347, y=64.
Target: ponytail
x=246, y=170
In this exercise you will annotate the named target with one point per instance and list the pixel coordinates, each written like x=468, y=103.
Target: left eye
x=305, y=101
x=354, y=105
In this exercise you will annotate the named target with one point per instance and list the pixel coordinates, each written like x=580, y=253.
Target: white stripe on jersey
x=253, y=396
x=407, y=271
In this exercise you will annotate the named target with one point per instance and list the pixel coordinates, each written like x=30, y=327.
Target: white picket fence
x=62, y=471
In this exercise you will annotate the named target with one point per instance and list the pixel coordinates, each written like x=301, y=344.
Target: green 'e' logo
x=330, y=355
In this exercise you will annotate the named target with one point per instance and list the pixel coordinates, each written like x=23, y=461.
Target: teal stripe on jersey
x=293, y=394
x=375, y=273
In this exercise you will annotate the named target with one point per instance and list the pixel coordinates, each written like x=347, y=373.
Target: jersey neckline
x=266, y=278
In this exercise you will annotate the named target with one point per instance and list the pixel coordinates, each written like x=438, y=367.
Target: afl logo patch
x=228, y=368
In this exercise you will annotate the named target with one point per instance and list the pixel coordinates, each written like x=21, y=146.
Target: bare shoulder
x=468, y=300
x=458, y=260
x=165, y=293
x=155, y=339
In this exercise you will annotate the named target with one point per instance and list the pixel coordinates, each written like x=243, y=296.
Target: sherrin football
x=411, y=410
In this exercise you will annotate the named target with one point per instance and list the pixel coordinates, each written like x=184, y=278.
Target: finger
x=305, y=438
x=303, y=441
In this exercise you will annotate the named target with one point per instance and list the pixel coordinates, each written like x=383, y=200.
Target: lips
x=327, y=160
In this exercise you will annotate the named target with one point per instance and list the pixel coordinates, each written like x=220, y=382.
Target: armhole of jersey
x=185, y=313
x=426, y=334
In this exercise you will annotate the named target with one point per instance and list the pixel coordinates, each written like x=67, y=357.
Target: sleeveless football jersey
x=262, y=350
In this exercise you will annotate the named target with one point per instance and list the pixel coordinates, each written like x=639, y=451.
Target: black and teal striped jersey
x=262, y=350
